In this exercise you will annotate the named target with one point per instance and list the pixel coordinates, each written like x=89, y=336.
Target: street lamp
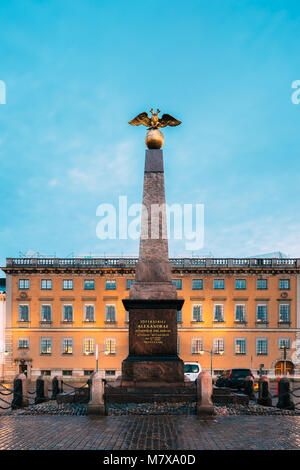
x=211, y=355
x=97, y=353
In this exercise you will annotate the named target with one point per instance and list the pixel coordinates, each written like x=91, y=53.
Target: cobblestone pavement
x=149, y=432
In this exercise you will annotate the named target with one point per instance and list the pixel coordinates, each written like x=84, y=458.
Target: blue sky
x=77, y=70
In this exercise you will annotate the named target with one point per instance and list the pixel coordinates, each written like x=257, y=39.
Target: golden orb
x=154, y=139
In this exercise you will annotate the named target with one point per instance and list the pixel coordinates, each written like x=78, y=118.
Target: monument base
x=152, y=371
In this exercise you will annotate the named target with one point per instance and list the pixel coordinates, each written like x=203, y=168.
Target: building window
x=177, y=283
x=46, y=372
x=129, y=283
x=67, y=284
x=46, y=284
x=284, y=313
x=240, y=283
x=89, y=284
x=87, y=372
x=24, y=313
x=46, y=346
x=67, y=346
x=23, y=343
x=68, y=313
x=110, y=313
x=88, y=346
x=218, y=345
x=110, y=373
x=284, y=342
x=110, y=284
x=262, y=313
x=261, y=347
x=218, y=283
x=284, y=284
x=218, y=312
x=197, y=284
x=110, y=345
x=262, y=284
x=240, y=346
x=46, y=313
x=197, y=345
x=197, y=313
x=179, y=316
x=24, y=284
x=67, y=373
x=240, y=313
x=89, y=313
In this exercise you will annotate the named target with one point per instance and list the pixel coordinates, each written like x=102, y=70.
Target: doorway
x=284, y=367
x=23, y=369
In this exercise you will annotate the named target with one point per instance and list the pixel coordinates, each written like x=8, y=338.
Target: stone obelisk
x=153, y=302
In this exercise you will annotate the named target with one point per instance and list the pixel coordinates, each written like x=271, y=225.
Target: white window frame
x=284, y=339
x=63, y=312
x=84, y=344
x=196, y=350
x=216, y=340
x=23, y=304
x=284, y=304
x=24, y=280
x=115, y=308
x=51, y=344
x=114, y=340
x=24, y=339
x=267, y=313
x=235, y=344
x=46, y=281
x=201, y=312
x=256, y=343
x=62, y=346
x=41, y=313
x=84, y=313
x=68, y=280
x=245, y=312
x=223, y=312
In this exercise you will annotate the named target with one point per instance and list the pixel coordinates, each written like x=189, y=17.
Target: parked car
x=233, y=378
x=192, y=370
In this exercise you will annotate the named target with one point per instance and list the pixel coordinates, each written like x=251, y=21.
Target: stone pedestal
x=204, y=394
x=153, y=302
x=96, y=404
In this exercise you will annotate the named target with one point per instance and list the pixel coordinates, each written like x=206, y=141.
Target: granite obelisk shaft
x=153, y=302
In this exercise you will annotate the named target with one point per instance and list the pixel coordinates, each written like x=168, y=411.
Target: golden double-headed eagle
x=154, y=122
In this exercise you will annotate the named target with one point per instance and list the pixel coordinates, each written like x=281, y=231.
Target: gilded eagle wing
x=141, y=119
x=168, y=120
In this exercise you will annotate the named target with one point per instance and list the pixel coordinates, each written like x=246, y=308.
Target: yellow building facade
x=237, y=312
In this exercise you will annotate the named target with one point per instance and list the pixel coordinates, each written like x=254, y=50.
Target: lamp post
x=97, y=354
x=211, y=355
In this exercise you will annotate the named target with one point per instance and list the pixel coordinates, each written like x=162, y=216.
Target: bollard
x=96, y=404
x=264, y=396
x=20, y=391
x=41, y=390
x=204, y=394
x=285, y=400
x=57, y=387
x=249, y=387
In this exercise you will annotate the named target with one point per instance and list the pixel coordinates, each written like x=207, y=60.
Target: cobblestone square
x=149, y=433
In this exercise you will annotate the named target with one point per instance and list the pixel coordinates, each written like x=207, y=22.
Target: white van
x=192, y=370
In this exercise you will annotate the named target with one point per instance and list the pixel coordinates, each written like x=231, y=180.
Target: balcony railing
x=131, y=262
